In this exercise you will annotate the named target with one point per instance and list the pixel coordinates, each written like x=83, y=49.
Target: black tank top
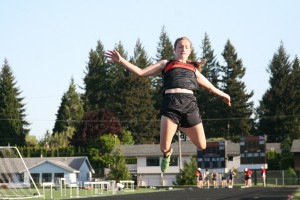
x=179, y=75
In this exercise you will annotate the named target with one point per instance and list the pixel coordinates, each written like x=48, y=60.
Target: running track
x=193, y=193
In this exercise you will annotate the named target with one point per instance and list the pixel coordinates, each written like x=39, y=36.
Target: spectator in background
x=249, y=173
x=207, y=177
x=248, y=180
x=232, y=174
x=214, y=178
x=246, y=177
x=263, y=175
x=199, y=178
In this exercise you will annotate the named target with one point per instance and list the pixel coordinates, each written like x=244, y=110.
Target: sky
x=48, y=42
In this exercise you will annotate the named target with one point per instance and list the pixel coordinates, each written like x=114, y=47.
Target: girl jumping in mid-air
x=179, y=105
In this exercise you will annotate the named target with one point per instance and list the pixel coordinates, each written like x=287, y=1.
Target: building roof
x=71, y=164
x=232, y=149
x=295, y=146
x=187, y=149
x=273, y=147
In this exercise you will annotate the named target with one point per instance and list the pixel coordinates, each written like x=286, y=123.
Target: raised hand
x=113, y=55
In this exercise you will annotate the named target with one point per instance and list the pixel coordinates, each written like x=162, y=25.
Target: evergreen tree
x=70, y=111
x=164, y=51
x=239, y=114
x=277, y=110
x=294, y=101
x=286, y=160
x=127, y=137
x=209, y=104
x=117, y=78
x=13, y=125
x=165, y=48
x=119, y=170
x=187, y=175
x=138, y=114
x=97, y=89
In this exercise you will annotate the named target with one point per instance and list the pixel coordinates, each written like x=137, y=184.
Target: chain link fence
x=273, y=178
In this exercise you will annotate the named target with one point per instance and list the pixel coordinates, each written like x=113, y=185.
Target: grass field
x=189, y=190
x=77, y=193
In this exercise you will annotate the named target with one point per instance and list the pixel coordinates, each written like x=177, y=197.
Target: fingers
x=227, y=101
x=113, y=55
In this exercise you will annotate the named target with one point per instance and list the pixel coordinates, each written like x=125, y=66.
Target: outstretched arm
x=115, y=56
x=206, y=84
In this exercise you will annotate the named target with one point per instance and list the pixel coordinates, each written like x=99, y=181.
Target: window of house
x=58, y=175
x=230, y=158
x=35, y=177
x=46, y=177
x=152, y=161
x=174, y=161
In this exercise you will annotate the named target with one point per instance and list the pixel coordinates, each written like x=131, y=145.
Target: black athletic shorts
x=182, y=108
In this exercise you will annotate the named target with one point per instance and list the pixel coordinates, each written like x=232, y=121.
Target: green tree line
x=115, y=100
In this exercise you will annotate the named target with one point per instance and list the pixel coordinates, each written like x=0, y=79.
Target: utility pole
x=179, y=149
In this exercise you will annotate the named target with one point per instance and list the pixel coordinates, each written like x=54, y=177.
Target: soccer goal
x=15, y=179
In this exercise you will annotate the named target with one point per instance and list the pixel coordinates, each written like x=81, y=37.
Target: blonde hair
x=197, y=64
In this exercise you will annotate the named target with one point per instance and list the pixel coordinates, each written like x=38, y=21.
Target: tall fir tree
x=164, y=50
x=97, y=91
x=70, y=111
x=295, y=81
x=138, y=111
x=209, y=104
x=237, y=118
x=119, y=170
x=277, y=110
x=13, y=125
x=116, y=78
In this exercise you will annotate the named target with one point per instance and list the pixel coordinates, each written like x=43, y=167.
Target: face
x=183, y=49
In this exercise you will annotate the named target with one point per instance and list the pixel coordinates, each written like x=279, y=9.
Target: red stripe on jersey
x=176, y=64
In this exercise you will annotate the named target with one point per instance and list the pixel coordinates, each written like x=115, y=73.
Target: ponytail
x=198, y=64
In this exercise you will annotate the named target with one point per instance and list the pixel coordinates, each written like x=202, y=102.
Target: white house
x=50, y=169
x=145, y=161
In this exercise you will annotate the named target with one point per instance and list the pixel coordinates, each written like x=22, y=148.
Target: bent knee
x=202, y=145
x=165, y=149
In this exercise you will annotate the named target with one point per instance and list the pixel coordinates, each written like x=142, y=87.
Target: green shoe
x=166, y=162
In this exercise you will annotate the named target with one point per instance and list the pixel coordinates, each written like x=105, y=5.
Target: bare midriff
x=179, y=90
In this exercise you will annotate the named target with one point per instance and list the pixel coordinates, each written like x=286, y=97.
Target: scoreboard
x=213, y=156
x=253, y=149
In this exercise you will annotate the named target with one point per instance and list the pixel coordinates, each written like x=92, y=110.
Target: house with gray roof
x=50, y=169
x=145, y=161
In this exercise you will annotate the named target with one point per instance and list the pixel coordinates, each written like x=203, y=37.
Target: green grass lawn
x=74, y=193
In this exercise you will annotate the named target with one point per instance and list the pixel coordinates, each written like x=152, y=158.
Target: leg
x=167, y=131
x=197, y=135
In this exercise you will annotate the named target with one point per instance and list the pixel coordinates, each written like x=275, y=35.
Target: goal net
x=15, y=179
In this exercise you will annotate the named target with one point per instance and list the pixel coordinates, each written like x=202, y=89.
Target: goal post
x=15, y=179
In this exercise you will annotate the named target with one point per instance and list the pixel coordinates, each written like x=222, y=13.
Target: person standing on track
x=199, y=178
x=179, y=107
x=214, y=179
x=232, y=174
x=264, y=175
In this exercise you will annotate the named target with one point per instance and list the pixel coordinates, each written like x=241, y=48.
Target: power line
x=114, y=121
